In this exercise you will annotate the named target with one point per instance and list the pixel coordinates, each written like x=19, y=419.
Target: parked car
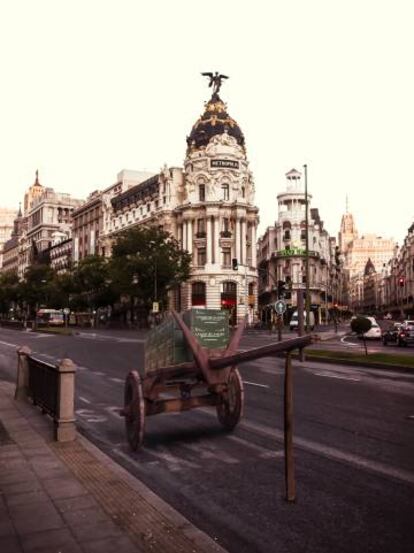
x=374, y=333
x=406, y=333
x=294, y=321
x=390, y=335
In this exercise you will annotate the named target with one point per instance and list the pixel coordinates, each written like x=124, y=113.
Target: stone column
x=209, y=241
x=254, y=250
x=237, y=239
x=184, y=234
x=216, y=254
x=65, y=429
x=243, y=241
x=190, y=236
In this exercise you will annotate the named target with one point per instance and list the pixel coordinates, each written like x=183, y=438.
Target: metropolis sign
x=225, y=163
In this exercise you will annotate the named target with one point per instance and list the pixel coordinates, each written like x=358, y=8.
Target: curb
x=351, y=363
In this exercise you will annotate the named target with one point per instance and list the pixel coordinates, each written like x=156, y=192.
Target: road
x=354, y=430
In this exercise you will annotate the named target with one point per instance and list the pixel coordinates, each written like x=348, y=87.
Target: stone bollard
x=22, y=378
x=65, y=429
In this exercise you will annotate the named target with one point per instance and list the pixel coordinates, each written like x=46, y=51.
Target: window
x=201, y=256
x=243, y=191
x=201, y=228
x=148, y=207
x=226, y=191
x=286, y=235
x=202, y=192
x=226, y=257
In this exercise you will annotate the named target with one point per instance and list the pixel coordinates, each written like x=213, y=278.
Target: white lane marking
x=334, y=453
x=84, y=399
x=114, y=410
x=255, y=384
x=349, y=344
x=90, y=415
x=9, y=345
x=81, y=368
x=98, y=373
x=117, y=380
x=264, y=453
x=175, y=464
x=328, y=375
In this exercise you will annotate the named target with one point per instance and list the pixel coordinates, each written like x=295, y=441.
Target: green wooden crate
x=166, y=345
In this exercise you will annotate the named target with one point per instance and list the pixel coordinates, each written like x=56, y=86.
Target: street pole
x=307, y=296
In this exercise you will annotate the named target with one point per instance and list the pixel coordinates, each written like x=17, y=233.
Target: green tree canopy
x=146, y=262
x=92, y=283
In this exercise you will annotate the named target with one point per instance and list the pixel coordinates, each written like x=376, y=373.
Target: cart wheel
x=230, y=409
x=134, y=409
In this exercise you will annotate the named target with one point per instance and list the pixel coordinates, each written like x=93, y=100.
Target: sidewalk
x=71, y=498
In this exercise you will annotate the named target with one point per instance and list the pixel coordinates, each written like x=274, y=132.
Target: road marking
x=327, y=375
x=349, y=344
x=117, y=380
x=8, y=344
x=264, y=452
x=90, y=415
x=98, y=373
x=255, y=384
x=114, y=410
x=84, y=399
x=334, y=453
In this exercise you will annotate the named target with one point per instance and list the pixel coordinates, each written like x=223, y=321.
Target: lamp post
x=307, y=295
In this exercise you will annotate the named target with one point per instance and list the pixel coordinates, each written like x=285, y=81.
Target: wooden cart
x=178, y=361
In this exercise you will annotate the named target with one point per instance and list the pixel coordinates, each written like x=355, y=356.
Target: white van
x=294, y=321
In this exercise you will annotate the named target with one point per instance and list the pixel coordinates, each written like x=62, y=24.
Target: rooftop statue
x=215, y=80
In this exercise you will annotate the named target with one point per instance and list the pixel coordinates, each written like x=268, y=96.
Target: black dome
x=215, y=120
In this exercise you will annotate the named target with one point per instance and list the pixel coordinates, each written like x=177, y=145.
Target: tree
x=361, y=325
x=9, y=291
x=35, y=287
x=146, y=263
x=92, y=284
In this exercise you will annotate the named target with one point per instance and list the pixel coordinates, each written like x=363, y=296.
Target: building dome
x=215, y=120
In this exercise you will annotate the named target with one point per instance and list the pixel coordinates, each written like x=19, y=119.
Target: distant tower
x=32, y=193
x=348, y=231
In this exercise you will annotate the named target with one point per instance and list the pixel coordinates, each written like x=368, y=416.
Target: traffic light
x=281, y=289
x=401, y=281
x=234, y=264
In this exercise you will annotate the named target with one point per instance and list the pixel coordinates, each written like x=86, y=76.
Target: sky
x=91, y=87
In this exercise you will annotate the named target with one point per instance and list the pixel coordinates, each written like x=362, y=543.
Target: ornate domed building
x=217, y=219
x=208, y=207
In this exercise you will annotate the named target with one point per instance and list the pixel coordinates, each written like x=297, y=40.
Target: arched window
x=202, y=192
x=198, y=293
x=226, y=191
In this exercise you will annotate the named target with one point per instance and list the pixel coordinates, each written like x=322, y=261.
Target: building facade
x=281, y=255
x=7, y=217
x=208, y=207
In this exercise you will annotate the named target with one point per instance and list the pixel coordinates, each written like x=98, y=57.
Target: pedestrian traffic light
x=401, y=281
x=234, y=264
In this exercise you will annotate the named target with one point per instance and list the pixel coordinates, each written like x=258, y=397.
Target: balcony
x=225, y=234
x=201, y=234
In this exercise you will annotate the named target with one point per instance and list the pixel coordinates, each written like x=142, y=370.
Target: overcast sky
x=90, y=87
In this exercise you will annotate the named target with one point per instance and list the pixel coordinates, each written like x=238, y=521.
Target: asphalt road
x=354, y=430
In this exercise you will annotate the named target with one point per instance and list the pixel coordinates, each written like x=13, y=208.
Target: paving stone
x=35, y=517
x=75, y=503
x=14, y=476
x=10, y=544
x=51, y=541
x=21, y=487
x=85, y=516
x=26, y=498
x=120, y=545
x=59, y=488
x=98, y=530
x=6, y=526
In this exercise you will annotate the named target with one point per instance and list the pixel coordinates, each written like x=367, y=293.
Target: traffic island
x=373, y=360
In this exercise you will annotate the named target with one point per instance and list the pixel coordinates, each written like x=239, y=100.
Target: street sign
x=280, y=307
x=155, y=307
x=66, y=311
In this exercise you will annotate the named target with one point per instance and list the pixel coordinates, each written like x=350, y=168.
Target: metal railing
x=51, y=387
x=43, y=385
